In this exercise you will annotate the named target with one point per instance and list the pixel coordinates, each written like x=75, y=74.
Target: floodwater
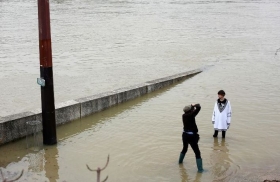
x=103, y=45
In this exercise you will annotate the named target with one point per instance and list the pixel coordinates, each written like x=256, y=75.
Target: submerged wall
x=14, y=126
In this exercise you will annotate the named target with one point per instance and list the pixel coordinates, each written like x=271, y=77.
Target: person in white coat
x=221, y=115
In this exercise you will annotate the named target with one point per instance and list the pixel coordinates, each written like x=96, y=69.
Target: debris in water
x=98, y=170
x=12, y=180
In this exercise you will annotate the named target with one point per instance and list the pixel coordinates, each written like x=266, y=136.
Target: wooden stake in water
x=98, y=170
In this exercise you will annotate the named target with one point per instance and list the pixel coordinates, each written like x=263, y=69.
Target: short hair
x=221, y=92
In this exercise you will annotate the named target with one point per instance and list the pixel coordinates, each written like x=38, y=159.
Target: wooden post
x=46, y=72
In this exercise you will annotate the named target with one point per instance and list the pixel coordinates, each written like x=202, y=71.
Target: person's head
x=221, y=94
x=187, y=108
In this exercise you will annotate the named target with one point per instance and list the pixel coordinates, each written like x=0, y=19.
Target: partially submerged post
x=46, y=72
x=98, y=170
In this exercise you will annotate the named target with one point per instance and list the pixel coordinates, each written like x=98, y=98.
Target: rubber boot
x=224, y=134
x=199, y=165
x=181, y=158
x=215, y=133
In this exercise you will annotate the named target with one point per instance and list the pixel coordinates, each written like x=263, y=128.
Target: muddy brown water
x=136, y=40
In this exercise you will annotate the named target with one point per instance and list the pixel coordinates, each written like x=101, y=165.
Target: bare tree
x=11, y=180
x=98, y=170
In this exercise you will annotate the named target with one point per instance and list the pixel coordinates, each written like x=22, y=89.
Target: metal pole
x=46, y=72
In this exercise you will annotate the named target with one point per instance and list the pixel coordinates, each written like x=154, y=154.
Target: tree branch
x=105, y=179
x=108, y=158
x=90, y=169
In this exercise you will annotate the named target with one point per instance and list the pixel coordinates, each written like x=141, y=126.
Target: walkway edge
x=13, y=127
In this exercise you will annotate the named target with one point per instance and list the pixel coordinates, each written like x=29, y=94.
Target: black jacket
x=189, y=120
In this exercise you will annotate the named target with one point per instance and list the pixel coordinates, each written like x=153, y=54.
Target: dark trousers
x=193, y=141
x=216, y=133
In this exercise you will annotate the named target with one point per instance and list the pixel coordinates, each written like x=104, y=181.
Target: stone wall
x=14, y=126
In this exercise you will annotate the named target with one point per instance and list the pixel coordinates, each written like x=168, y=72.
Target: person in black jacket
x=190, y=134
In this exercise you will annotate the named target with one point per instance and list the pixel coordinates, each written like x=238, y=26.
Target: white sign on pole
x=41, y=82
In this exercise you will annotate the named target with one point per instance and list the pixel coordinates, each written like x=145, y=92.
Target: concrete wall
x=14, y=126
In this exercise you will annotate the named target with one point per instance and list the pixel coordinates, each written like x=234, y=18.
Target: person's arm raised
x=197, y=109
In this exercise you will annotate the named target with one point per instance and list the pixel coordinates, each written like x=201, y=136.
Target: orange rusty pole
x=46, y=72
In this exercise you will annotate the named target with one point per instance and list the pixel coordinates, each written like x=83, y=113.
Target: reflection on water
x=34, y=141
x=51, y=163
x=186, y=178
x=220, y=160
x=36, y=161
